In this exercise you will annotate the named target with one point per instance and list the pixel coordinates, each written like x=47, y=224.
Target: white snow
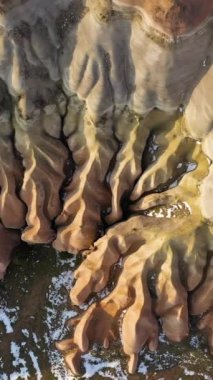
x=6, y=320
x=36, y=365
x=8, y=316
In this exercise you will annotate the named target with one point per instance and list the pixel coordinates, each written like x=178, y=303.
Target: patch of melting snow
x=56, y=315
x=143, y=368
x=20, y=364
x=8, y=317
x=35, y=365
x=5, y=319
x=95, y=365
x=57, y=309
x=25, y=332
x=194, y=341
x=171, y=211
x=188, y=372
x=148, y=357
x=191, y=166
x=4, y=377
x=163, y=339
x=35, y=338
x=201, y=375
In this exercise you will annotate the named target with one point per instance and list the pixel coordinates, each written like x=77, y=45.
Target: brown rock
x=12, y=209
x=92, y=146
x=174, y=17
x=9, y=240
x=177, y=244
x=44, y=156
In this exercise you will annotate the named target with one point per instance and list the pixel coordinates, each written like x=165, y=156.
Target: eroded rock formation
x=106, y=114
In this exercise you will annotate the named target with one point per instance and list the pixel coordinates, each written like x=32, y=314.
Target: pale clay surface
x=105, y=114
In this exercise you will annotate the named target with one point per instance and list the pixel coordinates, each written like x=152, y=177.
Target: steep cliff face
x=106, y=111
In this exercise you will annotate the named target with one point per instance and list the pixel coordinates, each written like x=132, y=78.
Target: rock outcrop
x=106, y=115
x=174, y=18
